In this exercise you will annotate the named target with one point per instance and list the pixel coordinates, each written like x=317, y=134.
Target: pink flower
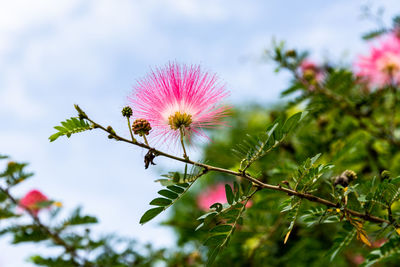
x=358, y=259
x=379, y=243
x=382, y=65
x=214, y=194
x=311, y=72
x=31, y=200
x=179, y=98
x=307, y=64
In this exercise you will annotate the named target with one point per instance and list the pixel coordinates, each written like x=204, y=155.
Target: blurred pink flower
x=358, y=259
x=382, y=64
x=31, y=199
x=179, y=97
x=311, y=72
x=213, y=194
x=307, y=64
x=379, y=243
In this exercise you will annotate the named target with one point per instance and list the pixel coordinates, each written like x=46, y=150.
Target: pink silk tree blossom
x=31, y=200
x=381, y=66
x=311, y=72
x=179, y=99
x=307, y=64
x=213, y=194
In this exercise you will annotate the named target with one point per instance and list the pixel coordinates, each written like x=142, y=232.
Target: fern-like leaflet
x=175, y=189
x=69, y=127
x=254, y=148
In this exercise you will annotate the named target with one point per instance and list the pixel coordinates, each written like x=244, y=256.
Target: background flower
x=31, y=200
x=382, y=65
x=214, y=194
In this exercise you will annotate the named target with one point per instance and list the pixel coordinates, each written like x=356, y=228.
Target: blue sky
x=54, y=54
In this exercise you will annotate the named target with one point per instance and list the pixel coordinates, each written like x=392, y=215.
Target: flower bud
x=345, y=178
x=291, y=53
x=141, y=127
x=385, y=174
x=127, y=112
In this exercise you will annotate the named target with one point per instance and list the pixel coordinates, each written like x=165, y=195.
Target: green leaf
x=293, y=214
x=5, y=214
x=222, y=228
x=212, y=255
x=69, y=127
x=229, y=194
x=176, y=189
x=150, y=214
x=215, y=240
x=341, y=241
x=168, y=194
x=53, y=262
x=78, y=219
x=292, y=122
x=236, y=190
x=217, y=206
x=3, y=196
x=373, y=34
x=161, y=202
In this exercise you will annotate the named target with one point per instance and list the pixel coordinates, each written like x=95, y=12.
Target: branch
x=243, y=175
x=53, y=235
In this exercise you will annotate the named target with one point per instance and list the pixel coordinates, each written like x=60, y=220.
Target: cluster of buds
x=141, y=127
x=345, y=178
x=127, y=112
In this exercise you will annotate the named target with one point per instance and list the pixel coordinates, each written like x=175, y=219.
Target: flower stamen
x=180, y=120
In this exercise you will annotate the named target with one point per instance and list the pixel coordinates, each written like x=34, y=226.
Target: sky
x=54, y=54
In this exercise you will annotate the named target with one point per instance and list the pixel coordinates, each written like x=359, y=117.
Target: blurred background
x=54, y=54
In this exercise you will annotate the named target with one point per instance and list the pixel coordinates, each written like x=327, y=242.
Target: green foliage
x=390, y=251
x=77, y=218
x=173, y=178
x=67, y=234
x=176, y=187
x=342, y=240
x=26, y=233
x=373, y=34
x=69, y=127
x=15, y=173
x=54, y=262
x=224, y=219
x=307, y=174
x=255, y=148
x=293, y=212
x=315, y=216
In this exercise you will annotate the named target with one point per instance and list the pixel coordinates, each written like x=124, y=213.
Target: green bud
x=127, y=112
x=385, y=174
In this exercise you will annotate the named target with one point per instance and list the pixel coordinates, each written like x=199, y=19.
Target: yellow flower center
x=390, y=64
x=179, y=120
